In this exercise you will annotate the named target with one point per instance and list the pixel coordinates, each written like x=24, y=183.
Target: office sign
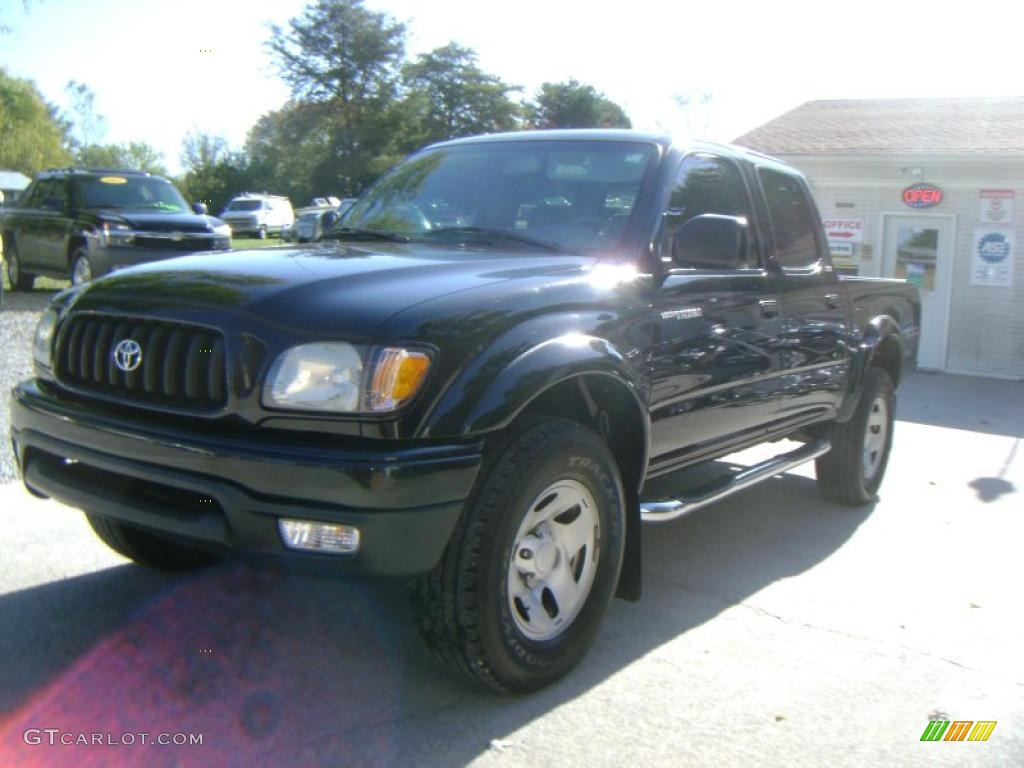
x=844, y=230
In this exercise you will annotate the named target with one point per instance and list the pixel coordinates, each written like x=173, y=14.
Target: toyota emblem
x=128, y=355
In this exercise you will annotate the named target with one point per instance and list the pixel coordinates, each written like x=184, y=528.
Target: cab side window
x=34, y=195
x=792, y=218
x=53, y=195
x=706, y=184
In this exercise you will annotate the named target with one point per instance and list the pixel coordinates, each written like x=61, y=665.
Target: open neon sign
x=922, y=195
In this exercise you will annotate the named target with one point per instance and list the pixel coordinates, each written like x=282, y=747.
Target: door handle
x=832, y=300
x=769, y=307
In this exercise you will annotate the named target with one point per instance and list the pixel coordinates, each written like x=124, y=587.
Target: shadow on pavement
x=992, y=406
x=278, y=669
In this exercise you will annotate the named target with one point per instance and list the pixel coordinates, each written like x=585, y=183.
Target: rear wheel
x=145, y=548
x=18, y=278
x=852, y=471
x=528, y=575
x=81, y=267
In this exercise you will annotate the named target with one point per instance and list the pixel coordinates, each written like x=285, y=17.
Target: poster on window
x=992, y=257
x=996, y=206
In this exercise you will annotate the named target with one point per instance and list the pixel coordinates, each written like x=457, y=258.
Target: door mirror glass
x=711, y=241
x=199, y=208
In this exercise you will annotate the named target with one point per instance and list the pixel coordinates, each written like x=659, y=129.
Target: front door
x=918, y=249
x=715, y=365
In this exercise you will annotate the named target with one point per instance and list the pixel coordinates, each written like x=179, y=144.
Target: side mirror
x=199, y=208
x=330, y=218
x=711, y=241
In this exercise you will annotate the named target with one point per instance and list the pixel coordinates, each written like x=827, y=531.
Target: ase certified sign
x=922, y=195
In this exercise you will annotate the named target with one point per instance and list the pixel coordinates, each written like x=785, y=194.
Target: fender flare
x=881, y=328
x=486, y=397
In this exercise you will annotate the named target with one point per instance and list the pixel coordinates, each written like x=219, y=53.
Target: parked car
x=81, y=223
x=310, y=226
x=490, y=409
x=259, y=215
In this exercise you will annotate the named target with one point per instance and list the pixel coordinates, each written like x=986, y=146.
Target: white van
x=260, y=215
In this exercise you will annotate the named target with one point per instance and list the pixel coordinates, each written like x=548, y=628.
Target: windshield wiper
x=497, y=234
x=358, y=233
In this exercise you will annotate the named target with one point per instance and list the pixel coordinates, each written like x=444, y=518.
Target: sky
x=160, y=68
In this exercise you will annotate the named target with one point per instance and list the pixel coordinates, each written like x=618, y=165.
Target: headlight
x=42, y=344
x=117, y=234
x=222, y=229
x=343, y=378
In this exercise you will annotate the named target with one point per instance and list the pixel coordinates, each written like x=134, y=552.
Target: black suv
x=83, y=223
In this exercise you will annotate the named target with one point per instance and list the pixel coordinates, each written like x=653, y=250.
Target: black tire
x=851, y=473
x=80, y=269
x=146, y=548
x=19, y=279
x=464, y=607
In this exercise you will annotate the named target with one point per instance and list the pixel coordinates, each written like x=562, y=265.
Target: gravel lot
x=18, y=318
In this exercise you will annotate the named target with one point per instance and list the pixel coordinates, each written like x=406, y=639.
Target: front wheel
x=261, y=233
x=852, y=471
x=528, y=575
x=81, y=267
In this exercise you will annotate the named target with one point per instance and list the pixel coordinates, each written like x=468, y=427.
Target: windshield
x=244, y=205
x=574, y=196
x=131, y=192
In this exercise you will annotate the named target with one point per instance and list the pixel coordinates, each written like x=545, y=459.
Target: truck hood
x=149, y=220
x=345, y=290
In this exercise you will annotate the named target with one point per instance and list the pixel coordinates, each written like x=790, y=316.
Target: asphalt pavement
x=776, y=629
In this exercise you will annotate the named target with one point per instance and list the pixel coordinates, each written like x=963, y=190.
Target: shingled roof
x=898, y=126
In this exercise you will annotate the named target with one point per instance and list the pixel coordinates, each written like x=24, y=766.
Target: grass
x=238, y=243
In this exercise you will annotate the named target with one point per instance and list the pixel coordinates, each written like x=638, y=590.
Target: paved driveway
x=776, y=629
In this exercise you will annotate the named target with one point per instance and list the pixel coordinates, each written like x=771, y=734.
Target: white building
x=931, y=190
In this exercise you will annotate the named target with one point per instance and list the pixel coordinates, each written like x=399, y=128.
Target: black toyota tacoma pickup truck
x=80, y=223
x=510, y=352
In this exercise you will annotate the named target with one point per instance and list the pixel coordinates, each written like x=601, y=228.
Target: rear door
x=816, y=353
x=27, y=223
x=715, y=361
x=54, y=221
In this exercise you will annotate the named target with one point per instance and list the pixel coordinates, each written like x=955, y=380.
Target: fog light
x=319, y=537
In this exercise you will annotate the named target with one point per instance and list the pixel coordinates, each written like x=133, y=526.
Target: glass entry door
x=917, y=249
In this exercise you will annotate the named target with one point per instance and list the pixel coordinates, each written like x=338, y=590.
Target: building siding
x=986, y=323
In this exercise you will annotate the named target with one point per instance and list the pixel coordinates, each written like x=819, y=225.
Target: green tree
x=33, y=136
x=135, y=155
x=340, y=52
x=89, y=127
x=449, y=96
x=574, y=105
x=342, y=62
x=213, y=172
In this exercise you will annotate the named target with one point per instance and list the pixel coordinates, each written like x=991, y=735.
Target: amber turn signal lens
x=397, y=375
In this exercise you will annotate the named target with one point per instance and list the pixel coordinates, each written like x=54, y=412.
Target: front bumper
x=227, y=494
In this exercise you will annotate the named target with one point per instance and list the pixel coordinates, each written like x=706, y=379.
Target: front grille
x=185, y=244
x=182, y=365
x=160, y=226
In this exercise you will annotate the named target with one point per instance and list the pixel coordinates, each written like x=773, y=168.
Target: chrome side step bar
x=661, y=511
